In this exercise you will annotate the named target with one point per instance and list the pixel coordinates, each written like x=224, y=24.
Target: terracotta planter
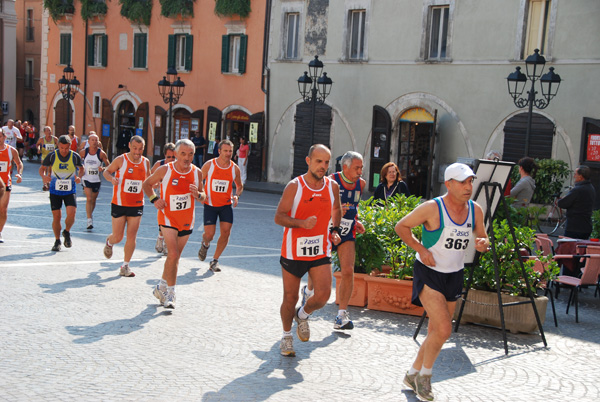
x=359, y=290
x=391, y=295
x=518, y=318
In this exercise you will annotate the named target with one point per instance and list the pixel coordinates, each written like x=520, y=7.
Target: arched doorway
x=125, y=127
x=181, y=124
x=61, y=117
x=540, y=137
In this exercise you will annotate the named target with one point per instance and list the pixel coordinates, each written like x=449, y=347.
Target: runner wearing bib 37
x=8, y=156
x=351, y=188
x=450, y=223
x=220, y=174
x=180, y=186
x=307, y=205
x=127, y=173
x=61, y=170
x=93, y=158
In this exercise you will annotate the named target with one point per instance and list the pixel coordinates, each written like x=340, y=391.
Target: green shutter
x=171, y=53
x=243, y=50
x=68, y=49
x=189, y=47
x=104, y=50
x=225, y=54
x=90, y=55
x=65, y=49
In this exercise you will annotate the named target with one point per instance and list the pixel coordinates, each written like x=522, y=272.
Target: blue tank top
x=350, y=199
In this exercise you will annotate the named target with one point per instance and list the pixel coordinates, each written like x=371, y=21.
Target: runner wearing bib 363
x=220, y=174
x=307, y=205
x=8, y=156
x=351, y=188
x=127, y=206
x=93, y=158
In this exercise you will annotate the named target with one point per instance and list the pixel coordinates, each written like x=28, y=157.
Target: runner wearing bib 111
x=351, y=188
x=127, y=173
x=307, y=205
x=220, y=174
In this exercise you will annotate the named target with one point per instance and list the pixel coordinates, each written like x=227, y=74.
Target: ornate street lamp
x=171, y=89
x=68, y=86
x=549, y=82
x=314, y=89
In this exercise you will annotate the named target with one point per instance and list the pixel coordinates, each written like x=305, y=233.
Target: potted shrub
x=177, y=8
x=58, y=8
x=482, y=299
x=93, y=8
x=137, y=11
x=229, y=8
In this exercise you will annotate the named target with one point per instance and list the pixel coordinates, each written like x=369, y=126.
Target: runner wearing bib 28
x=307, y=205
x=8, y=156
x=127, y=173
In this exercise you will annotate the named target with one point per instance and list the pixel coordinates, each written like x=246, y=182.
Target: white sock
x=340, y=312
x=126, y=263
x=303, y=315
x=426, y=371
x=160, y=237
x=287, y=333
x=309, y=292
x=162, y=285
x=90, y=221
x=412, y=371
x=170, y=289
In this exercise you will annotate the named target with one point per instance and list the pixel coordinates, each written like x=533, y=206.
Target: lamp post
x=68, y=85
x=171, y=89
x=314, y=89
x=549, y=82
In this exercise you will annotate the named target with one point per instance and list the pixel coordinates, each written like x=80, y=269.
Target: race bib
x=4, y=166
x=93, y=171
x=62, y=185
x=180, y=202
x=345, y=226
x=49, y=147
x=456, y=239
x=132, y=186
x=309, y=246
x=220, y=186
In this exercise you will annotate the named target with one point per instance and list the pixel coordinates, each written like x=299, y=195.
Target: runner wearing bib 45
x=8, y=156
x=127, y=173
x=307, y=205
x=93, y=158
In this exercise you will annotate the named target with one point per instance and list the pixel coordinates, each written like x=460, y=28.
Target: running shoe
x=90, y=225
x=410, y=381
x=67, y=236
x=303, y=330
x=126, y=272
x=159, y=244
x=169, y=301
x=423, y=383
x=202, y=252
x=45, y=187
x=343, y=321
x=214, y=266
x=305, y=295
x=159, y=294
x=108, y=249
x=1, y=239
x=286, y=346
x=56, y=246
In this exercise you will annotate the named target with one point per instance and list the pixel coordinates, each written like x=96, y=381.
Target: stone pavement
x=74, y=330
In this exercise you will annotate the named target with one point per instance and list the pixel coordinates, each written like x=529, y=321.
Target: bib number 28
x=456, y=244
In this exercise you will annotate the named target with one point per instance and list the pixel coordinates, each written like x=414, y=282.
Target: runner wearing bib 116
x=127, y=173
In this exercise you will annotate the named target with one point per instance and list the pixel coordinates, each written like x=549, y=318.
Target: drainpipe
x=85, y=71
x=266, y=73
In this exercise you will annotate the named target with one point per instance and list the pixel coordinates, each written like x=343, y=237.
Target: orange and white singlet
x=6, y=157
x=309, y=244
x=219, y=184
x=175, y=190
x=128, y=193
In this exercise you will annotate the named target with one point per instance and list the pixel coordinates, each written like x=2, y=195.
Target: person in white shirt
x=12, y=133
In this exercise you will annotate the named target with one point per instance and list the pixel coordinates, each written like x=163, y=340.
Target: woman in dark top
x=391, y=183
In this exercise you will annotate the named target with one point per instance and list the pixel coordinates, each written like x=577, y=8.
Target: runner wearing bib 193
x=450, y=223
x=180, y=186
x=307, y=205
x=61, y=170
x=220, y=173
x=93, y=158
x=127, y=206
x=8, y=156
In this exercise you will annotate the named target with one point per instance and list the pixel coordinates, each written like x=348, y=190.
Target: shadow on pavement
x=93, y=279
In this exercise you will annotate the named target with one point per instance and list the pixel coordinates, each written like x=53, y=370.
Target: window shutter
x=189, y=47
x=65, y=49
x=171, y=53
x=90, y=55
x=144, y=51
x=243, y=51
x=104, y=50
x=225, y=54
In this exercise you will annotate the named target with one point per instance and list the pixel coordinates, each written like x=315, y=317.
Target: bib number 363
x=456, y=244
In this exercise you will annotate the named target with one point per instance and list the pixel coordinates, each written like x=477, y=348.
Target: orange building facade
x=119, y=64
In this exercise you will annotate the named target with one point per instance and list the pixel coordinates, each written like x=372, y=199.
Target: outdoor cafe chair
x=588, y=277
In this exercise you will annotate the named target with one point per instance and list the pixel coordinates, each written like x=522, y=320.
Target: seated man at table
x=579, y=203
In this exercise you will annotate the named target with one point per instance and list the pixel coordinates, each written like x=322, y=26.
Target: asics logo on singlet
x=63, y=165
x=130, y=170
x=314, y=195
x=308, y=242
x=174, y=182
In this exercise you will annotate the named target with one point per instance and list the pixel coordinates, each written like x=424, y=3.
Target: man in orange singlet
x=127, y=173
x=220, y=174
x=76, y=140
x=180, y=185
x=8, y=156
x=169, y=152
x=307, y=205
